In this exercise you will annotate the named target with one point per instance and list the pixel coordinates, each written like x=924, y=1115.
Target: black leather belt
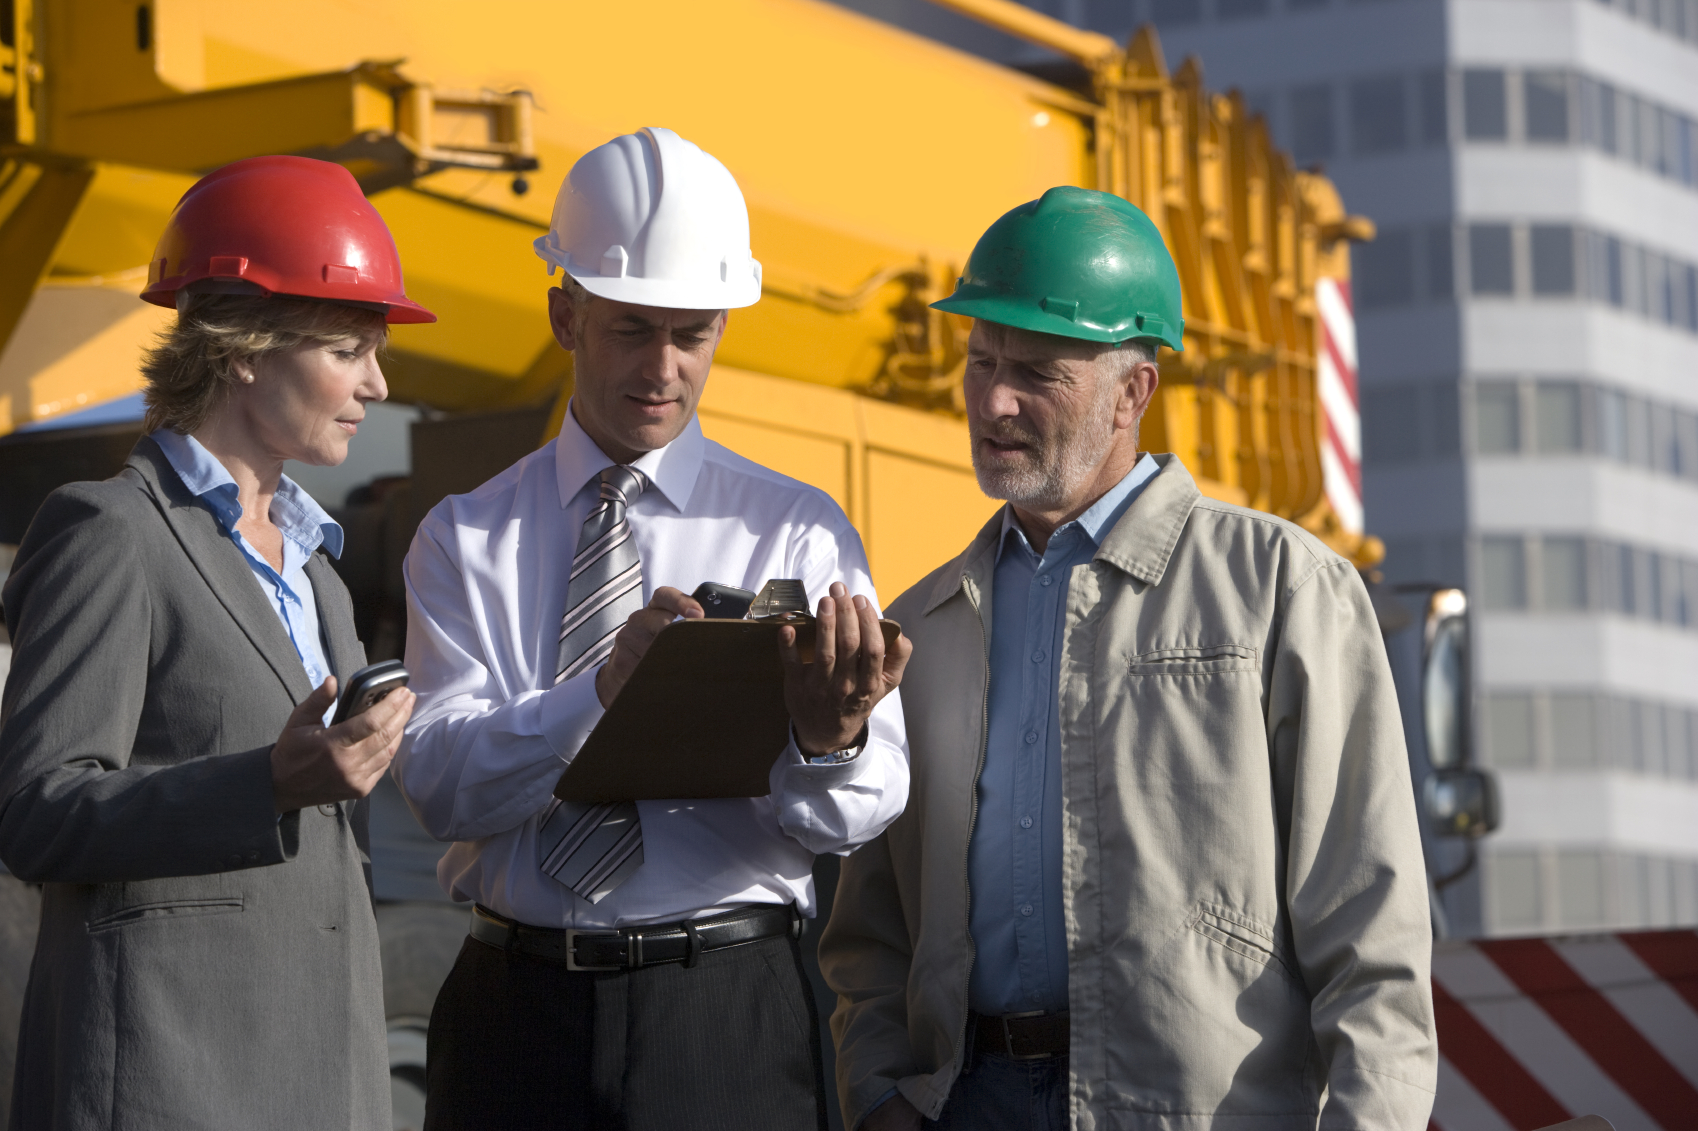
x=1021, y=1036
x=632, y=948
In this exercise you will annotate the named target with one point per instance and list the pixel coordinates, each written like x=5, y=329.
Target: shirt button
x=1025, y=822
x=1031, y=738
x=1044, y=580
x=1037, y=657
x=1026, y=909
x=328, y=810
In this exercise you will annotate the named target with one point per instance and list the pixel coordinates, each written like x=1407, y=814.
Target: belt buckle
x=1008, y=1036
x=572, y=936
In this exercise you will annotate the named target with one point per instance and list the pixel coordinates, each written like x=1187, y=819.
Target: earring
x=247, y=378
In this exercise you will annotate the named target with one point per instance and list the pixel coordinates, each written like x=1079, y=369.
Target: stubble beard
x=1055, y=466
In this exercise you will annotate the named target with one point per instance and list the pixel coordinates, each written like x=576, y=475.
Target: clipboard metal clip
x=783, y=600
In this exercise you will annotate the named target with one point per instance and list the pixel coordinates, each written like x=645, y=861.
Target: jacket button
x=328, y=810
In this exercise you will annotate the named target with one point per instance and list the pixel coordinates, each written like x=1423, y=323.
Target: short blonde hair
x=192, y=368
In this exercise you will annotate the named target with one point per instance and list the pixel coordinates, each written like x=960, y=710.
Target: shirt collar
x=296, y=513
x=671, y=470
x=1099, y=518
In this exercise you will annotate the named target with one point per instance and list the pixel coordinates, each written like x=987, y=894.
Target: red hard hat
x=288, y=226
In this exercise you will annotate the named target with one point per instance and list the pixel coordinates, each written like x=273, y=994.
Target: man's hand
x=313, y=764
x=639, y=632
x=894, y=1114
x=830, y=699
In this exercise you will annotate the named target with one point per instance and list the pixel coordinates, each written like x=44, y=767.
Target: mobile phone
x=723, y=601
x=367, y=686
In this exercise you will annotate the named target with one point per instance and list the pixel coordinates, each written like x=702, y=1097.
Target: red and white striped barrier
x=1536, y=1031
x=1335, y=377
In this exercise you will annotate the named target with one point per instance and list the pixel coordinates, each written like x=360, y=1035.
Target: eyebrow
x=638, y=322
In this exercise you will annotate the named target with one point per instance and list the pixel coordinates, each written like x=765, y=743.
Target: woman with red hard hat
x=168, y=771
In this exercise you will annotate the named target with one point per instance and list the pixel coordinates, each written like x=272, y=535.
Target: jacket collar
x=1140, y=543
x=227, y=573
x=1143, y=540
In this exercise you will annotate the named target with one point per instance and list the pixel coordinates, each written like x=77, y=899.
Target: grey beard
x=1056, y=466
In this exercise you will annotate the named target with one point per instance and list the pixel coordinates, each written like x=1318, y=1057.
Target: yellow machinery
x=871, y=159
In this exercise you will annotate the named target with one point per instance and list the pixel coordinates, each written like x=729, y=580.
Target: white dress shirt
x=486, y=587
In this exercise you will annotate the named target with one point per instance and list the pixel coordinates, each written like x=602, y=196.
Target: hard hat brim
x=1020, y=313
x=672, y=294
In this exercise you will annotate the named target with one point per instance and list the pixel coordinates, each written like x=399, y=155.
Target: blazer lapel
x=221, y=564
x=335, y=618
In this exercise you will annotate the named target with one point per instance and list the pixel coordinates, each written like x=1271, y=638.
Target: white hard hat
x=649, y=218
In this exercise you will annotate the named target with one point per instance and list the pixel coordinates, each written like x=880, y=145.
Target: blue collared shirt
x=305, y=527
x=1014, y=860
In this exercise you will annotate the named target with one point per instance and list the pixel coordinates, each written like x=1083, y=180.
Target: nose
x=997, y=400
x=373, y=387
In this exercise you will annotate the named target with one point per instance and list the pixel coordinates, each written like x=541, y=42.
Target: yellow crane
x=871, y=159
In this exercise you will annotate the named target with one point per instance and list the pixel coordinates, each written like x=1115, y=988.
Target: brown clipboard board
x=702, y=716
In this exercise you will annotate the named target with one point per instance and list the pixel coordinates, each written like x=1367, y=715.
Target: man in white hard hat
x=634, y=965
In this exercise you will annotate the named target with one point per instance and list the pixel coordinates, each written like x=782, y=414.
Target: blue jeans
x=1001, y=1094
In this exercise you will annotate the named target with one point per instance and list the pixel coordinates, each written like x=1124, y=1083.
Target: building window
x=1685, y=444
x=1563, y=572
x=1557, y=428
x=1509, y=731
x=1638, y=427
x=1553, y=259
x=1545, y=98
x=1513, y=878
x=1503, y=573
x=1385, y=270
x=1497, y=419
x=1441, y=265
x=1573, y=745
x=1311, y=122
x=1377, y=114
x=1491, y=259
x=1484, y=108
x=1435, y=117
x=1580, y=888
x=1389, y=423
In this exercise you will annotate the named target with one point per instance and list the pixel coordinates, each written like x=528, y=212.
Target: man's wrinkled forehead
x=1030, y=347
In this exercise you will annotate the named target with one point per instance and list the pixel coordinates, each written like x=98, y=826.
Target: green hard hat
x=1074, y=262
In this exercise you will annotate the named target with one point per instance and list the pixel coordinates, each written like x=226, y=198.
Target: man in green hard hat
x=1160, y=864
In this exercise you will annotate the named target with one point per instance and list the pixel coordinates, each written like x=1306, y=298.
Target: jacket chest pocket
x=1207, y=659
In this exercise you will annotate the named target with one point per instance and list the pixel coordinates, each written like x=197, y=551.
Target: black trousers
x=518, y=1042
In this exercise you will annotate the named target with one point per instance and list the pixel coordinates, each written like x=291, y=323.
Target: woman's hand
x=313, y=764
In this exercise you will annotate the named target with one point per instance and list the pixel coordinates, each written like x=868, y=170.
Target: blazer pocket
x=1242, y=934
x=1204, y=660
x=166, y=909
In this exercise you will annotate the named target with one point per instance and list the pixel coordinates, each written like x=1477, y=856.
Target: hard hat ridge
x=651, y=218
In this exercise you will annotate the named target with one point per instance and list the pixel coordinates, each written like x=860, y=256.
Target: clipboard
x=702, y=715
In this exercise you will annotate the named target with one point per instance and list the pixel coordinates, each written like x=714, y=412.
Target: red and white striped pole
x=1341, y=434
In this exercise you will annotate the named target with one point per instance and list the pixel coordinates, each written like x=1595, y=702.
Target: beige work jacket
x=1245, y=897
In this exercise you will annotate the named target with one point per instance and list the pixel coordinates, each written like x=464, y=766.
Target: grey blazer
x=201, y=963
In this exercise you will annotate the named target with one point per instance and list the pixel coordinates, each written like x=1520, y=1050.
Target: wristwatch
x=836, y=757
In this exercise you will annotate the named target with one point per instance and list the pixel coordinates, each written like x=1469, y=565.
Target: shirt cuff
x=569, y=711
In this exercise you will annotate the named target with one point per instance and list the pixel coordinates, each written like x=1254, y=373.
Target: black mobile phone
x=367, y=686
x=723, y=601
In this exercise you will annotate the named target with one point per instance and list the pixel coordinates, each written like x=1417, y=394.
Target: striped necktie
x=592, y=849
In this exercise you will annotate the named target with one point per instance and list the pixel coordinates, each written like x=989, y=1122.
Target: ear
x=1137, y=390
x=561, y=317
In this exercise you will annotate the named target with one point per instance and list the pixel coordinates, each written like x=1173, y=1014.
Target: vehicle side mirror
x=1445, y=688
x=1461, y=802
